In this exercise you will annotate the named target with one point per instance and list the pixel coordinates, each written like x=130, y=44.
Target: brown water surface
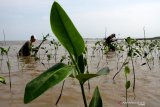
x=24, y=69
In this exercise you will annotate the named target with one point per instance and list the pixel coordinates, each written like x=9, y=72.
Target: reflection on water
x=27, y=62
x=24, y=69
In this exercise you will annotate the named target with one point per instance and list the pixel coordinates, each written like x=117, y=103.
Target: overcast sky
x=21, y=18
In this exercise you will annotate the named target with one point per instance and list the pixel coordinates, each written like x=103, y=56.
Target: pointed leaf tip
x=65, y=31
x=96, y=100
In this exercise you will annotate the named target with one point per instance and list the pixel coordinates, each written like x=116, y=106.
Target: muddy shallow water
x=24, y=70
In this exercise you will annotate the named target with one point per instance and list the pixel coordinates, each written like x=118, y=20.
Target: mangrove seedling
x=38, y=47
x=127, y=84
x=56, y=46
x=71, y=39
x=131, y=53
x=5, y=52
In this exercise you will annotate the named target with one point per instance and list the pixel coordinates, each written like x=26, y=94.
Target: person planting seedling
x=109, y=40
x=26, y=49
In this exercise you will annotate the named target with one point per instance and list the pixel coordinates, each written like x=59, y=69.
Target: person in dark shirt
x=109, y=40
x=26, y=49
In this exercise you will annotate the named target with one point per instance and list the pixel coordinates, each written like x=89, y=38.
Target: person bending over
x=26, y=49
x=109, y=40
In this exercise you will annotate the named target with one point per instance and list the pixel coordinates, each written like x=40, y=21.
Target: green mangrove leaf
x=127, y=70
x=96, y=99
x=43, y=82
x=128, y=40
x=81, y=63
x=65, y=31
x=3, y=50
x=136, y=52
x=84, y=77
x=2, y=80
x=103, y=71
x=127, y=84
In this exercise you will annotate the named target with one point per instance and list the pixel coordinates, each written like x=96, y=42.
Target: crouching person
x=109, y=40
x=27, y=49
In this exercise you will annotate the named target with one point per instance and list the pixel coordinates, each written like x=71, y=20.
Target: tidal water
x=24, y=69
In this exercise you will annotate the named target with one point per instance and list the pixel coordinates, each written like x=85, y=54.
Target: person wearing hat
x=26, y=49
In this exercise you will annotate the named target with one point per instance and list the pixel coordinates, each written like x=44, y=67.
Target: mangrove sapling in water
x=148, y=53
x=123, y=64
x=43, y=58
x=152, y=47
x=85, y=62
x=48, y=59
x=95, y=48
x=158, y=51
x=47, y=55
x=127, y=84
x=82, y=63
x=126, y=61
x=100, y=47
x=131, y=53
x=56, y=46
x=5, y=52
x=70, y=38
x=60, y=93
x=93, y=52
x=2, y=53
x=2, y=80
x=48, y=52
x=69, y=63
x=119, y=53
x=38, y=47
x=140, y=46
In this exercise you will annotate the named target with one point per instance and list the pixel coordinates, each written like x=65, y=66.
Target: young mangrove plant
x=71, y=39
x=56, y=45
x=131, y=53
x=38, y=47
x=5, y=52
x=2, y=53
x=127, y=84
x=119, y=52
x=99, y=47
x=43, y=57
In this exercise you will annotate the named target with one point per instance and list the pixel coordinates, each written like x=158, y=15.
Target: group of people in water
x=27, y=48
